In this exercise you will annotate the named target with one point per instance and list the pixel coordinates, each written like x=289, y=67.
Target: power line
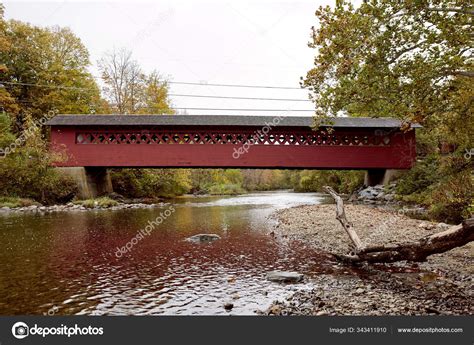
x=228, y=85
x=47, y=86
x=234, y=109
x=238, y=85
x=210, y=109
x=181, y=83
x=248, y=98
x=171, y=94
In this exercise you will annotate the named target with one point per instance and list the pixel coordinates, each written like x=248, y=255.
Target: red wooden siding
x=199, y=146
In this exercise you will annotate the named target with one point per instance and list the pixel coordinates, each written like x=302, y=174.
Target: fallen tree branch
x=341, y=217
x=455, y=236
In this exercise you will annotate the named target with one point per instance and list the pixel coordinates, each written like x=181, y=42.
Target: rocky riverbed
x=40, y=209
x=385, y=196
x=442, y=285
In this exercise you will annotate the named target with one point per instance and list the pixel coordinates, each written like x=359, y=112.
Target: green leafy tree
x=26, y=171
x=412, y=60
x=6, y=136
x=405, y=59
x=155, y=95
x=7, y=102
x=44, y=69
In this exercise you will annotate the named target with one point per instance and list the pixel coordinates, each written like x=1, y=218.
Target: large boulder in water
x=284, y=277
x=203, y=238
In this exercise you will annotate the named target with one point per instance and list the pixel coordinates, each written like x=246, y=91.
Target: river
x=67, y=263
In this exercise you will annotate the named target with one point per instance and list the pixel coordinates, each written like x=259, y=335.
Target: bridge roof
x=217, y=120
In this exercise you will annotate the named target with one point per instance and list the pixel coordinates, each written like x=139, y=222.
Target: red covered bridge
x=207, y=141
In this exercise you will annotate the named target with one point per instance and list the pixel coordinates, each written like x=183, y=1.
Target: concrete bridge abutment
x=91, y=181
x=381, y=176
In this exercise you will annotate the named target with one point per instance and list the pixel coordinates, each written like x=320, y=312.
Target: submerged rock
x=203, y=238
x=284, y=277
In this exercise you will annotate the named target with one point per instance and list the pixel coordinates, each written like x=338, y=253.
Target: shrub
x=423, y=174
x=442, y=183
x=341, y=181
x=6, y=137
x=452, y=199
x=16, y=202
x=28, y=174
x=150, y=183
x=226, y=189
x=126, y=182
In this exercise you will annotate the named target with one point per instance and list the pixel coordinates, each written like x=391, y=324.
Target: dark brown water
x=66, y=263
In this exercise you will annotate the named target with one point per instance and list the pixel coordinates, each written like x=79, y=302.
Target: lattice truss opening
x=317, y=138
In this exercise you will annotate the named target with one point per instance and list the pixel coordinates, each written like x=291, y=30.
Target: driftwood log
x=455, y=236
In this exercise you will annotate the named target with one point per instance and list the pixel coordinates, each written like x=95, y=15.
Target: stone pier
x=381, y=176
x=91, y=181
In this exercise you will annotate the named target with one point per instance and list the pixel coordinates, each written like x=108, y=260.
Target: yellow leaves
x=52, y=64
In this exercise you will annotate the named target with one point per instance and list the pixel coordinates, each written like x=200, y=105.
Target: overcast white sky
x=232, y=42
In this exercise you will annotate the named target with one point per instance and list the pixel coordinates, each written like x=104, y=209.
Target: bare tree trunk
x=341, y=217
x=419, y=250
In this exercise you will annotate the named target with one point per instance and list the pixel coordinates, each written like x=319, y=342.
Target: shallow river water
x=67, y=262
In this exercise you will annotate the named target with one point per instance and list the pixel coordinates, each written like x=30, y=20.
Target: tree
x=412, y=60
x=66, y=65
x=44, y=69
x=6, y=137
x=264, y=179
x=129, y=89
x=406, y=59
x=123, y=79
x=7, y=102
x=155, y=95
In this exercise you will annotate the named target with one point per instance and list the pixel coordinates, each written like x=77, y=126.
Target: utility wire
x=195, y=96
x=234, y=109
x=237, y=85
x=211, y=109
x=47, y=86
x=179, y=83
x=171, y=94
x=248, y=98
x=227, y=85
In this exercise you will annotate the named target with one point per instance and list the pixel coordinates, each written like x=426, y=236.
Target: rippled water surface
x=66, y=263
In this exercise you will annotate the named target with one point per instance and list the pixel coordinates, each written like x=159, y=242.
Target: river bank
x=112, y=202
x=442, y=285
x=87, y=205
